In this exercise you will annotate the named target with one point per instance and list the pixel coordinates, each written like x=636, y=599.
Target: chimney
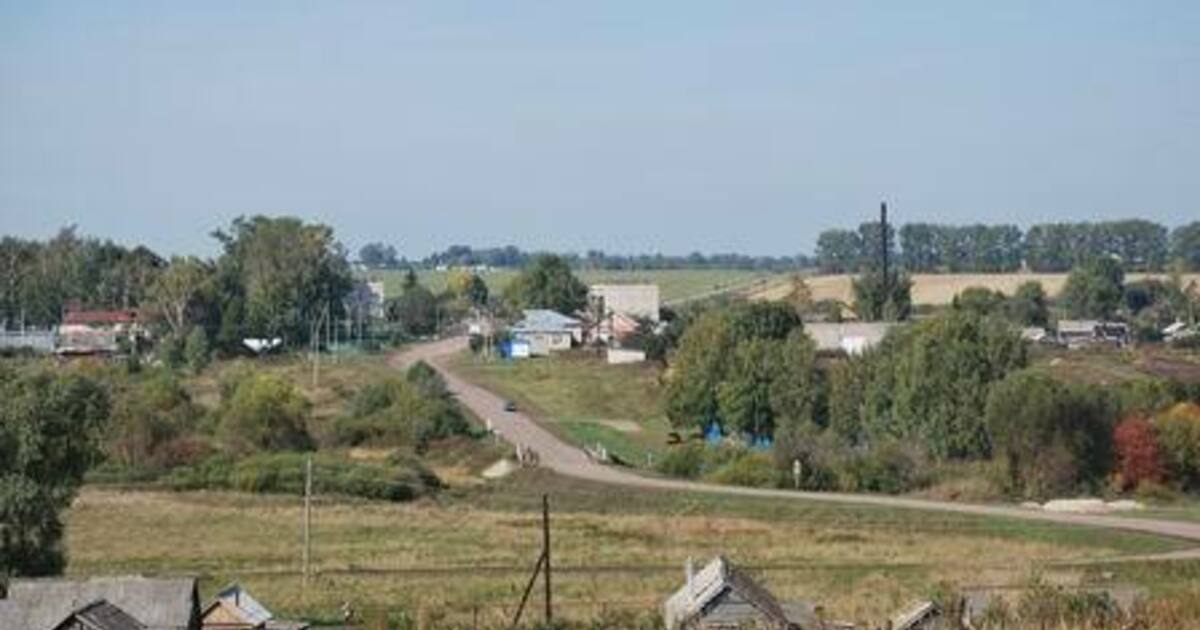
x=691, y=579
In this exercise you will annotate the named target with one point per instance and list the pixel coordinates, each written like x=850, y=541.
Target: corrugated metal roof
x=542, y=320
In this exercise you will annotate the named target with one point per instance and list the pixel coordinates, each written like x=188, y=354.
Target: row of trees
x=1053, y=247
x=512, y=257
x=37, y=278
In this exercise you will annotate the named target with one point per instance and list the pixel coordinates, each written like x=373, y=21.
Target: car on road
x=510, y=406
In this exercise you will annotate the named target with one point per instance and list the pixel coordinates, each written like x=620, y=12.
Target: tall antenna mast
x=883, y=241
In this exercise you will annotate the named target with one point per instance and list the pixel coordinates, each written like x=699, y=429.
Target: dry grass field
x=470, y=550
x=934, y=289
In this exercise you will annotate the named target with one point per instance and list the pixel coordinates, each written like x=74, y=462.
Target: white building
x=853, y=338
x=640, y=301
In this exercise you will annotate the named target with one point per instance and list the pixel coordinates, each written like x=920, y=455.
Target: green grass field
x=674, y=284
x=615, y=549
x=584, y=399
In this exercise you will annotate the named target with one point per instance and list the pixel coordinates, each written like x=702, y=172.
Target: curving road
x=520, y=428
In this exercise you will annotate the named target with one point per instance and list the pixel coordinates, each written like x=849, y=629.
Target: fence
x=41, y=341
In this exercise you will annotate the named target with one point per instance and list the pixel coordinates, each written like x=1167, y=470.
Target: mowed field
x=674, y=284
x=932, y=289
x=469, y=551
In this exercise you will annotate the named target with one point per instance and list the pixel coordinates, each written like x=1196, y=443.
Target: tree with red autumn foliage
x=1137, y=453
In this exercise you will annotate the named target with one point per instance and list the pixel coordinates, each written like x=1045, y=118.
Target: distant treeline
x=1049, y=247
x=513, y=257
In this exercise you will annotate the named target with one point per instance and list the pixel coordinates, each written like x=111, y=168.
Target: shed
x=159, y=604
x=722, y=596
x=925, y=615
x=236, y=609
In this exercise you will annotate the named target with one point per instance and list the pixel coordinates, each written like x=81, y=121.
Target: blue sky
x=624, y=126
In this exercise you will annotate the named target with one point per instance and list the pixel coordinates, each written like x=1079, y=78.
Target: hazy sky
x=625, y=126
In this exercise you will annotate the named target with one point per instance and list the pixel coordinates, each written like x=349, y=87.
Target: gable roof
x=718, y=579
x=248, y=608
x=542, y=320
x=160, y=604
x=101, y=615
x=851, y=337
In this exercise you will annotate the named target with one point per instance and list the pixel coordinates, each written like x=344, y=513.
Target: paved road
x=563, y=458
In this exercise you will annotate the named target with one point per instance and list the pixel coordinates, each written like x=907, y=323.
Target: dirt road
x=519, y=428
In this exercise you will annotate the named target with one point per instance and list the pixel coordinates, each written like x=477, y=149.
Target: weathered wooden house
x=235, y=609
x=100, y=615
x=721, y=596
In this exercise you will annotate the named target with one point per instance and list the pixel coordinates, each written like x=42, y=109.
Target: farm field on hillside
x=583, y=399
x=674, y=284
x=614, y=548
x=934, y=289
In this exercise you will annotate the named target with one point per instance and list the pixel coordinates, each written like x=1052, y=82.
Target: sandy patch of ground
x=624, y=426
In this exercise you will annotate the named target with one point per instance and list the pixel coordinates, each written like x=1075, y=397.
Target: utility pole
x=883, y=241
x=307, y=516
x=546, y=554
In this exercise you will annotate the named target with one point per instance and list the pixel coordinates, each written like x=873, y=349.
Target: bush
x=887, y=468
x=413, y=411
x=196, y=350
x=748, y=469
x=147, y=415
x=1178, y=431
x=1136, y=449
x=265, y=412
x=686, y=460
x=283, y=473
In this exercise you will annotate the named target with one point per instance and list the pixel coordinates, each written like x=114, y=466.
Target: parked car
x=510, y=406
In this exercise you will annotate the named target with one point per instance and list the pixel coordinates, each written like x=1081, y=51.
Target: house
x=235, y=609
x=155, y=603
x=852, y=338
x=614, y=326
x=637, y=301
x=546, y=331
x=100, y=615
x=91, y=332
x=1088, y=332
x=722, y=596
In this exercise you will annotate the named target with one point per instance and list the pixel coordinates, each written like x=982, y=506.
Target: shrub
x=265, y=412
x=1178, y=431
x=148, y=414
x=1136, y=449
x=283, y=473
x=887, y=468
x=413, y=411
x=686, y=460
x=748, y=469
x=196, y=349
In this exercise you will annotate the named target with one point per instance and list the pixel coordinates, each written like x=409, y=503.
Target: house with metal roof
x=852, y=338
x=547, y=331
x=235, y=609
x=722, y=596
x=156, y=603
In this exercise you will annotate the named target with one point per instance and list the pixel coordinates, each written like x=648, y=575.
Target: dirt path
x=519, y=428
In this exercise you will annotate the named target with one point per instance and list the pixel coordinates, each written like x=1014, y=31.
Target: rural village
x=614, y=316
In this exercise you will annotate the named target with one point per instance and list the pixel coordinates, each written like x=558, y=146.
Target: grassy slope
x=473, y=547
x=674, y=284
x=584, y=399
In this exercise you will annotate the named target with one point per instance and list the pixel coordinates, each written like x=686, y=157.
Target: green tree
x=147, y=415
x=876, y=300
x=280, y=276
x=50, y=431
x=839, y=251
x=1185, y=245
x=979, y=300
x=468, y=287
x=416, y=310
x=931, y=383
x=196, y=350
x=1052, y=437
x=179, y=291
x=1178, y=431
x=1094, y=289
x=265, y=412
x=547, y=283
x=1028, y=305
x=697, y=369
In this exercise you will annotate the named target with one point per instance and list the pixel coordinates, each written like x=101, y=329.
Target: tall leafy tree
x=1094, y=289
x=179, y=291
x=549, y=283
x=1028, y=305
x=1185, y=245
x=839, y=251
x=285, y=273
x=50, y=431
